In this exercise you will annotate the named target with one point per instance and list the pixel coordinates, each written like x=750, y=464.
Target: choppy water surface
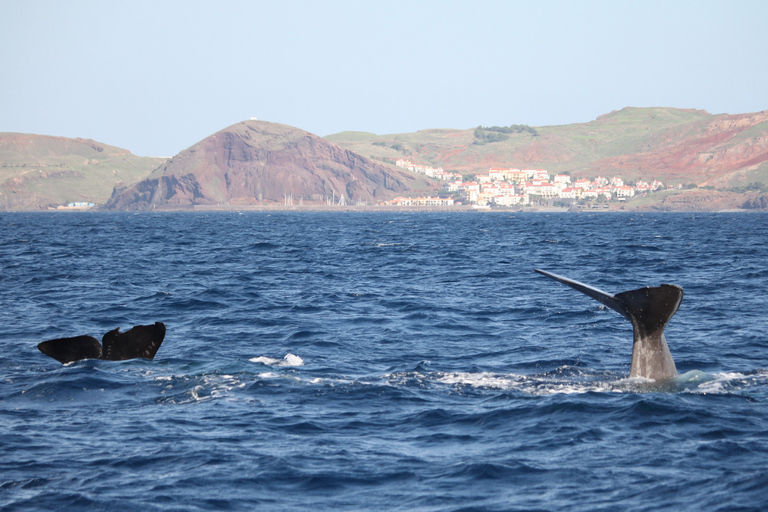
x=350, y=361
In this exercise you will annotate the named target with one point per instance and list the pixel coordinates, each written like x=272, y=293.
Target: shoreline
x=379, y=209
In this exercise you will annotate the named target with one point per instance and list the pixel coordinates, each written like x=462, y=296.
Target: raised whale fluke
x=649, y=309
x=141, y=341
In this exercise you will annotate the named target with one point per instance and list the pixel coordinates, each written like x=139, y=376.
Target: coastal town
x=506, y=187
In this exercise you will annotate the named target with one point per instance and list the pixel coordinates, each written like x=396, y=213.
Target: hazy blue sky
x=157, y=76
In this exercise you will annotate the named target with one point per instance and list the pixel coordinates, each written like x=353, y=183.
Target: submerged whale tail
x=140, y=341
x=649, y=310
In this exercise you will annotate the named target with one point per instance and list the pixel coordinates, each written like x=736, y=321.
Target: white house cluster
x=509, y=187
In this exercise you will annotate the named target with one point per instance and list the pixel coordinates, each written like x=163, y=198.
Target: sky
x=157, y=76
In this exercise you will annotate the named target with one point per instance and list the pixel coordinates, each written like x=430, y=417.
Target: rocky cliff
x=699, y=201
x=759, y=202
x=258, y=162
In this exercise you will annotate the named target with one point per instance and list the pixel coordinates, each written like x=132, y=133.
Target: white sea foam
x=548, y=384
x=721, y=382
x=216, y=386
x=530, y=384
x=288, y=360
x=212, y=387
x=293, y=360
x=482, y=380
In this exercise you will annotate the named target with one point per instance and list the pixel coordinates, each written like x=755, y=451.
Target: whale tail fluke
x=597, y=294
x=67, y=350
x=141, y=341
x=649, y=309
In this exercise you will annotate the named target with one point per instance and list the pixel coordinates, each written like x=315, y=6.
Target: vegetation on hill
x=482, y=137
x=513, y=128
x=675, y=146
x=488, y=134
x=39, y=172
x=755, y=186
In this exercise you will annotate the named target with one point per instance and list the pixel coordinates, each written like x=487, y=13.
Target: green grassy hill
x=39, y=172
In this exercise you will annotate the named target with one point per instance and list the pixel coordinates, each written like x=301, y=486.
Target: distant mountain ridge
x=39, y=171
x=256, y=162
x=672, y=145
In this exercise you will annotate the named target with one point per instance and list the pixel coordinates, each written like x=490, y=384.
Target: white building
x=498, y=174
x=537, y=174
x=546, y=190
x=511, y=200
x=583, y=184
x=506, y=189
x=422, y=201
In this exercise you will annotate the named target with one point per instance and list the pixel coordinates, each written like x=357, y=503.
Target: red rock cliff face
x=257, y=162
x=721, y=149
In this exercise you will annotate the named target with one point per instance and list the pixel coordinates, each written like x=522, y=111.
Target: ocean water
x=381, y=361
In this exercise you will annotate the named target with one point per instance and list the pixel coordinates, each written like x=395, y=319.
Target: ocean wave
x=570, y=380
x=440, y=374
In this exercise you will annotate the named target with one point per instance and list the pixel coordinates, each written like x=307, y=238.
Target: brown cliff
x=257, y=162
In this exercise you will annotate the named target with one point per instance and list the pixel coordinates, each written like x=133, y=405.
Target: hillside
x=261, y=163
x=257, y=162
x=672, y=145
x=39, y=171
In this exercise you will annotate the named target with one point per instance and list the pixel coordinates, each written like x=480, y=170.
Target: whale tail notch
x=141, y=341
x=648, y=309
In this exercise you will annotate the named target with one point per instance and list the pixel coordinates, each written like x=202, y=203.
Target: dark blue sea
x=381, y=361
